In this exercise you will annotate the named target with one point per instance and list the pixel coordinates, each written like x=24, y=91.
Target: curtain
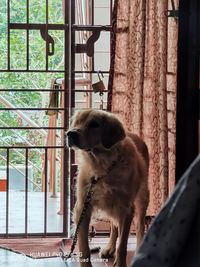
x=142, y=85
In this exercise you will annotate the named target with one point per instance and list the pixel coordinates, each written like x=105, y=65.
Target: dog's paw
x=120, y=260
x=107, y=253
x=119, y=263
x=85, y=264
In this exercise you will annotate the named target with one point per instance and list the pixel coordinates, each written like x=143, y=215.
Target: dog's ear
x=112, y=131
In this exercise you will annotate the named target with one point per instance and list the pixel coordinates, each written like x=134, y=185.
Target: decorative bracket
x=50, y=41
x=173, y=13
x=88, y=48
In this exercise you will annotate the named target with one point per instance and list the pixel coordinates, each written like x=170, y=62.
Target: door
x=34, y=115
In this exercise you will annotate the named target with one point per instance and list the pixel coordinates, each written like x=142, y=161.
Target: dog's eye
x=93, y=124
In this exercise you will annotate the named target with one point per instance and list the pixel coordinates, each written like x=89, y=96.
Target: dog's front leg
x=124, y=229
x=84, y=249
x=109, y=250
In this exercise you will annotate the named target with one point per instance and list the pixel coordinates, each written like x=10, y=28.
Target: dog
x=120, y=160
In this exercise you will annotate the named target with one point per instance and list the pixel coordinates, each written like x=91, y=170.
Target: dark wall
x=187, y=84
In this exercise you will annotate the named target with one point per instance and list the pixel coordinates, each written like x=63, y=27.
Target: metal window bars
x=79, y=34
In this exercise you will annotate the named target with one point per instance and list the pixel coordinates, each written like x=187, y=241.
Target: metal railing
x=70, y=86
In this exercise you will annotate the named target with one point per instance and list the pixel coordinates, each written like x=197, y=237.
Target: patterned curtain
x=142, y=84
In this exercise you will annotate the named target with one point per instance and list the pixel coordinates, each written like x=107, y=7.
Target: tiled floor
x=35, y=213
x=10, y=259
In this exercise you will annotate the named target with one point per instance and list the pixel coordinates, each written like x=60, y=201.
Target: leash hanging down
x=86, y=204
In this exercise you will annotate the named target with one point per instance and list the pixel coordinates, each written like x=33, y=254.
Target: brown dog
x=120, y=160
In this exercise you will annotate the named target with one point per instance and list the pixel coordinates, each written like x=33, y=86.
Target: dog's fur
x=121, y=161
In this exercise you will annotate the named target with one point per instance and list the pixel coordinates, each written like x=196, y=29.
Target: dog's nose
x=73, y=134
x=73, y=137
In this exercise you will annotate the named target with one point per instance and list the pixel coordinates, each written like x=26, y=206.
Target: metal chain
x=86, y=203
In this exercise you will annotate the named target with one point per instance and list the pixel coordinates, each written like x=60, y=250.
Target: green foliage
x=27, y=46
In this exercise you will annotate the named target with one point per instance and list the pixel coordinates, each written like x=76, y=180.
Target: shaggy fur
x=121, y=160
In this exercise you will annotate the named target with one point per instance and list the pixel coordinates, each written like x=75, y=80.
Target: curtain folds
x=142, y=84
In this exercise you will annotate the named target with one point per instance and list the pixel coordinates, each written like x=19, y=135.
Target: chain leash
x=86, y=204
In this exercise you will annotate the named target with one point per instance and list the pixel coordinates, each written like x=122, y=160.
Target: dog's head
x=92, y=128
